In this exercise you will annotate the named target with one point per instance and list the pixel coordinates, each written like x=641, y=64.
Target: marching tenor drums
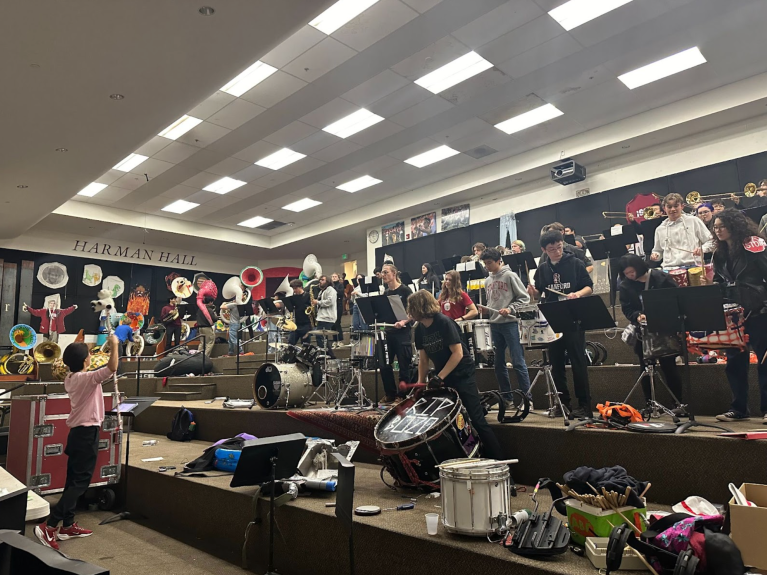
x=534, y=328
x=279, y=385
x=479, y=331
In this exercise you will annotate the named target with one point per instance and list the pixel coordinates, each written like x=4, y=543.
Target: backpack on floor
x=207, y=461
x=183, y=426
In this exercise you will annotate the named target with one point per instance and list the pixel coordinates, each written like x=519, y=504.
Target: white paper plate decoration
x=53, y=275
x=114, y=285
x=92, y=275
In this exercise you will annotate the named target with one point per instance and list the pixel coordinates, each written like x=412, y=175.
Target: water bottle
x=395, y=365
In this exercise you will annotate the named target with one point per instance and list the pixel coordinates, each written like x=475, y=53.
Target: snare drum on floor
x=282, y=385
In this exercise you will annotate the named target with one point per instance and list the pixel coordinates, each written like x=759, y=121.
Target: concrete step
x=206, y=390
x=181, y=395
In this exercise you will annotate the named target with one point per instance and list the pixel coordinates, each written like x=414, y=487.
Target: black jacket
x=746, y=284
x=630, y=292
x=568, y=275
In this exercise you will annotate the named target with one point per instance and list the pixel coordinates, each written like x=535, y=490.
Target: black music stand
x=672, y=311
x=518, y=262
x=755, y=213
x=569, y=239
x=268, y=305
x=451, y=262
x=612, y=248
x=370, y=315
x=477, y=272
x=648, y=228
x=372, y=286
x=345, y=501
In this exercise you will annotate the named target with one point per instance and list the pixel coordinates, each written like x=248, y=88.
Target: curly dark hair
x=739, y=226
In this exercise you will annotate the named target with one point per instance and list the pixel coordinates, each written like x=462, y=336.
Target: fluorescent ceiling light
x=432, y=156
x=179, y=207
x=130, y=162
x=224, y=185
x=180, y=127
x=576, y=12
x=91, y=189
x=453, y=73
x=280, y=159
x=662, y=68
x=255, y=222
x=359, y=184
x=301, y=205
x=531, y=118
x=254, y=75
x=353, y=123
x=339, y=14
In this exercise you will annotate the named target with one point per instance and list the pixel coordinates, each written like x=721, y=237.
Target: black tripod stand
x=654, y=407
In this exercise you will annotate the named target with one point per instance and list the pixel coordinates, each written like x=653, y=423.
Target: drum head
x=652, y=427
x=267, y=385
x=411, y=420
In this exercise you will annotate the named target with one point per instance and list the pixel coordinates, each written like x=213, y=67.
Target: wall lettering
x=133, y=253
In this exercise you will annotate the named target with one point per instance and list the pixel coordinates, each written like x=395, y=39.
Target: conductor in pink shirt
x=84, y=422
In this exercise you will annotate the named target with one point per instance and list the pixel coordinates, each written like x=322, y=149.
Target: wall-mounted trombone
x=749, y=191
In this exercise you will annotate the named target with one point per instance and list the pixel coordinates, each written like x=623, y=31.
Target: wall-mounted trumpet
x=749, y=191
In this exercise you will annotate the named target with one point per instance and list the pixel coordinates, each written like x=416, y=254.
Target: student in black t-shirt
x=438, y=339
x=302, y=300
x=398, y=340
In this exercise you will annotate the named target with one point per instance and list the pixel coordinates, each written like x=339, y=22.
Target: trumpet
x=615, y=215
x=749, y=191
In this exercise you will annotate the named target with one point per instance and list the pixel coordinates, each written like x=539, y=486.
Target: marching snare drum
x=475, y=500
x=534, y=328
x=422, y=432
x=479, y=331
x=282, y=385
x=364, y=345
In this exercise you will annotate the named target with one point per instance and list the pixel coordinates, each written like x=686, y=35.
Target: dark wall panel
x=529, y=225
x=715, y=179
x=584, y=214
x=751, y=169
x=418, y=252
x=619, y=197
x=486, y=232
x=453, y=243
x=397, y=251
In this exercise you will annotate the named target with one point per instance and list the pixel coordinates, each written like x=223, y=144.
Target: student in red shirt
x=453, y=301
x=84, y=422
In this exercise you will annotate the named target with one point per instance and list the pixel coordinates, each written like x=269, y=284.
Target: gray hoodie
x=503, y=289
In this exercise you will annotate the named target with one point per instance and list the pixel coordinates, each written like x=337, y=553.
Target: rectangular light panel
x=180, y=127
x=224, y=185
x=359, y=184
x=353, y=123
x=179, y=207
x=576, y=12
x=528, y=119
x=280, y=159
x=254, y=75
x=130, y=162
x=339, y=14
x=432, y=156
x=663, y=68
x=301, y=205
x=255, y=222
x=454, y=73
x=91, y=189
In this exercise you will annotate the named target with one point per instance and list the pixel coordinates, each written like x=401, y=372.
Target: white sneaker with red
x=73, y=531
x=47, y=535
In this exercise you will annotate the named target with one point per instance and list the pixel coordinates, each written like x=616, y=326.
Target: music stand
x=263, y=461
x=345, y=501
x=672, y=311
x=371, y=286
x=648, y=228
x=569, y=239
x=471, y=271
x=130, y=408
x=371, y=317
x=518, y=262
x=755, y=213
x=451, y=262
x=612, y=248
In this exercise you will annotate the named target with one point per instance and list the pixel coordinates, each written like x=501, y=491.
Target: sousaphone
x=251, y=276
x=47, y=352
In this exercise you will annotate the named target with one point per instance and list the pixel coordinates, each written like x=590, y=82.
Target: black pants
x=738, y=364
x=337, y=325
x=172, y=334
x=574, y=343
x=670, y=373
x=297, y=337
x=82, y=450
x=400, y=348
x=467, y=391
x=321, y=339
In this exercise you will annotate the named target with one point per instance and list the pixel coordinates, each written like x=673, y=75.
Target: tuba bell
x=47, y=352
x=251, y=276
x=233, y=290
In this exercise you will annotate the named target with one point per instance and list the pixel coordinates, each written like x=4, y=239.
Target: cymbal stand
x=324, y=382
x=655, y=408
x=362, y=399
x=380, y=336
x=551, y=389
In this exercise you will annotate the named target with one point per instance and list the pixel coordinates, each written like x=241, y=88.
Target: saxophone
x=311, y=311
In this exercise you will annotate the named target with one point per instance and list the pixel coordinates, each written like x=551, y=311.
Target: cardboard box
x=587, y=521
x=749, y=525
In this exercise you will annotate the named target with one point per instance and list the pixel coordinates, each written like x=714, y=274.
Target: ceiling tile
x=179, y=192
x=275, y=88
x=319, y=60
x=422, y=5
x=203, y=135
x=329, y=113
x=476, y=86
x=498, y=22
x=429, y=59
x=399, y=100
x=373, y=166
x=334, y=196
x=343, y=177
x=201, y=179
x=541, y=56
x=421, y=111
x=461, y=130
x=311, y=191
x=302, y=166
x=176, y=152
x=293, y=47
x=228, y=167
x=246, y=191
x=314, y=143
x=257, y=151
x=109, y=177
x=236, y=114
x=251, y=173
x=373, y=134
x=414, y=149
x=558, y=90
x=375, y=23
x=211, y=105
x=129, y=181
x=512, y=109
x=152, y=167
x=618, y=21
x=491, y=136
x=336, y=151
x=376, y=88
x=202, y=197
x=272, y=179
x=153, y=146
x=521, y=40
x=290, y=134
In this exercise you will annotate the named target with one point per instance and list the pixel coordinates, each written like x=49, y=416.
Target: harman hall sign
x=128, y=252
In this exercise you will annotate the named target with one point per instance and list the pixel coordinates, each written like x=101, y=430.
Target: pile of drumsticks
x=604, y=500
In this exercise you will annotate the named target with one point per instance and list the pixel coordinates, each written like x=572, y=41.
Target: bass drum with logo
x=422, y=432
x=282, y=385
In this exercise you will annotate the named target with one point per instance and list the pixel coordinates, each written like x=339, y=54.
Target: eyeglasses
x=720, y=227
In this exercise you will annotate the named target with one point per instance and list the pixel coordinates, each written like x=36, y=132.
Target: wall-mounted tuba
x=251, y=276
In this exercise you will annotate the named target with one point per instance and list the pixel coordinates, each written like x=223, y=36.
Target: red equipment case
x=38, y=436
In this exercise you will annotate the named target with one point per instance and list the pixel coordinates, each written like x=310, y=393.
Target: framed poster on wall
x=455, y=217
x=393, y=233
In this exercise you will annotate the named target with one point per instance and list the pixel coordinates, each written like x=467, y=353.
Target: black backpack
x=183, y=426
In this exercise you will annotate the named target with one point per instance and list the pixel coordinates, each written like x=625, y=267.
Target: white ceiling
x=370, y=62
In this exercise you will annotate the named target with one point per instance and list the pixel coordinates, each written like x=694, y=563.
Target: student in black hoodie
x=564, y=272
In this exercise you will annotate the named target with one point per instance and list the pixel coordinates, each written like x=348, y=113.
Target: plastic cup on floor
x=432, y=520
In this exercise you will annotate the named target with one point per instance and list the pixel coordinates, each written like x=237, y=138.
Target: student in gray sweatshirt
x=504, y=289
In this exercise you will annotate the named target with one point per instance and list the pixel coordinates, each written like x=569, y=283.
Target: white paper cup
x=432, y=520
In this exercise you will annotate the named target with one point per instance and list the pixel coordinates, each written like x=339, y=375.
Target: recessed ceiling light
x=206, y=11
x=224, y=185
x=62, y=149
x=663, y=68
x=576, y=12
x=339, y=14
x=180, y=206
x=353, y=123
x=301, y=205
x=453, y=73
x=432, y=156
x=254, y=75
x=528, y=119
x=255, y=222
x=91, y=189
x=359, y=184
x=117, y=96
x=22, y=186
x=280, y=159
x=180, y=127
x=130, y=162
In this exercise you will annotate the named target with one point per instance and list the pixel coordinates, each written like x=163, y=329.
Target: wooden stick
x=556, y=292
x=646, y=489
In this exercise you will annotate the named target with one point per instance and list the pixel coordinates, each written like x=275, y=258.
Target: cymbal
x=323, y=332
x=282, y=345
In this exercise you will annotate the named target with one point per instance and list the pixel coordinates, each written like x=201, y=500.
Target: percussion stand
x=656, y=408
x=324, y=382
x=551, y=388
x=362, y=400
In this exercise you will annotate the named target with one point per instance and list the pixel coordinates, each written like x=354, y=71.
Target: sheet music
x=399, y=309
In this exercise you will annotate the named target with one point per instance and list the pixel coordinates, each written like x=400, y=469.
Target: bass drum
x=282, y=385
x=422, y=432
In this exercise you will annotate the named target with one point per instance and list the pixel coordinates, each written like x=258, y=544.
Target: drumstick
x=556, y=292
x=405, y=386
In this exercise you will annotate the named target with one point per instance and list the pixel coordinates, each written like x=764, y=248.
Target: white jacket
x=327, y=309
x=674, y=241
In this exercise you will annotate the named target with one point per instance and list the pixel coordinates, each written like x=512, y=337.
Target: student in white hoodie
x=327, y=310
x=505, y=290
